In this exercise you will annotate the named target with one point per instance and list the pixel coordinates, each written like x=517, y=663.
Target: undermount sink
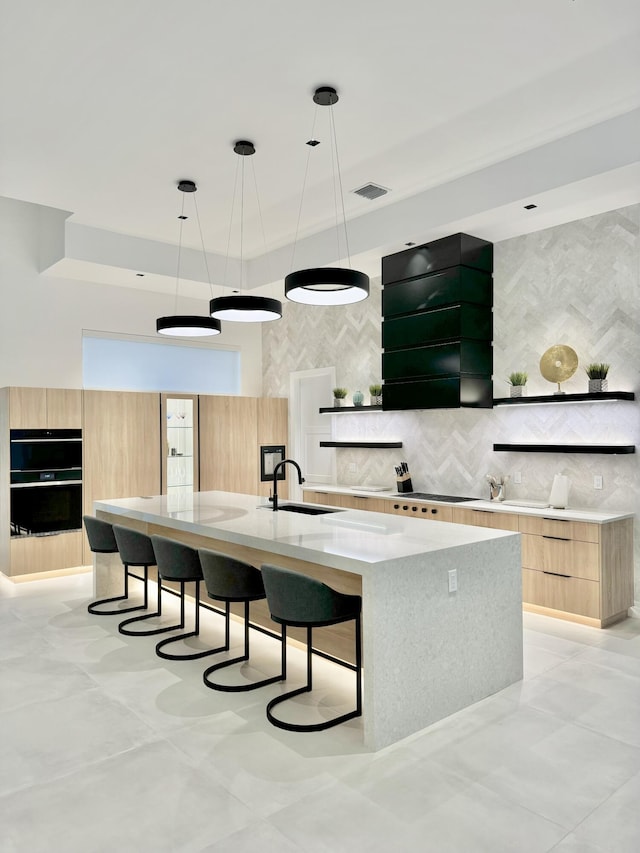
x=305, y=509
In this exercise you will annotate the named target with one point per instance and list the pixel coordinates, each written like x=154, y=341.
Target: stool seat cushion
x=100, y=535
x=135, y=547
x=295, y=599
x=175, y=561
x=228, y=579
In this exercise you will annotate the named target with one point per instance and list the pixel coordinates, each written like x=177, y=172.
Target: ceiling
x=105, y=106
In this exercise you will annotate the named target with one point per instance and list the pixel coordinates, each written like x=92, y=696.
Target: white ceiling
x=104, y=106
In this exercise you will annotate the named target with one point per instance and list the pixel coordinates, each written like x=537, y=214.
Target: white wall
x=42, y=318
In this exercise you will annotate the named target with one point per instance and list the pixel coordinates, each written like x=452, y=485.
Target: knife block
x=404, y=484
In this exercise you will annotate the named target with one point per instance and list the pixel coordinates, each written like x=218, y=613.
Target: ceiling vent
x=371, y=191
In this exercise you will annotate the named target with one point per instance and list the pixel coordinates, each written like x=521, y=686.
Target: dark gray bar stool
x=136, y=549
x=228, y=579
x=102, y=541
x=297, y=600
x=180, y=563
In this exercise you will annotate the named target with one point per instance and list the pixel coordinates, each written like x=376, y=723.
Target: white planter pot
x=596, y=385
x=518, y=391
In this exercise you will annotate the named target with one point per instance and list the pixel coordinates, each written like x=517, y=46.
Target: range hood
x=437, y=327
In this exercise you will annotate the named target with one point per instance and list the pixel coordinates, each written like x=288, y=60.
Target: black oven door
x=37, y=510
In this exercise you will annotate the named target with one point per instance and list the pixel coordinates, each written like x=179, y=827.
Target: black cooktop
x=423, y=496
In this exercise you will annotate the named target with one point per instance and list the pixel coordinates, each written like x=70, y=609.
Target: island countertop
x=343, y=539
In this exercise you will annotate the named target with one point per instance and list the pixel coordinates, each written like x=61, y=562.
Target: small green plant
x=375, y=390
x=339, y=393
x=518, y=377
x=597, y=371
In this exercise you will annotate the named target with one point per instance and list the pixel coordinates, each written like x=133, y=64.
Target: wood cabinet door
x=64, y=408
x=486, y=518
x=229, y=444
x=273, y=429
x=27, y=408
x=121, y=432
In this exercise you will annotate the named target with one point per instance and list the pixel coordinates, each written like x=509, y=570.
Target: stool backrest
x=135, y=547
x=100, y=535
x=228, y=579
x=298, y=599
x=176, y=561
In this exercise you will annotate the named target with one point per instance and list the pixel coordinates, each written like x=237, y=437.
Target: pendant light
x=328, y=285
x=187, y=325
x=239, y=308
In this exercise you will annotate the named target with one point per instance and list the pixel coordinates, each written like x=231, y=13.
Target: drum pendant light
x=187, y=325
x=238, y=308
x=328, y=285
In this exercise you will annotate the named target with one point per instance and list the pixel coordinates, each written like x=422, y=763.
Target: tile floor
x=105, y=747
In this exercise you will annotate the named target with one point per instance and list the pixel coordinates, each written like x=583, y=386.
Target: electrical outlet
x=453, y=580
x=353, y=468
x=597, y=481
x=517, y=477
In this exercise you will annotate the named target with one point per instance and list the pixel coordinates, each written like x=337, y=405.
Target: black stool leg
x=116, y=611
x=245, y=656
x=318, y=727
x=123, y=629
x=163, y=643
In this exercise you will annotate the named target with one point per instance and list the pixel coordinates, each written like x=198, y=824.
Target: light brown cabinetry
x=577, y=568
x=485, y=518
x=45, y=408
x=425, y=511
x=121, y=447
x=273, y=429
x=345, y=501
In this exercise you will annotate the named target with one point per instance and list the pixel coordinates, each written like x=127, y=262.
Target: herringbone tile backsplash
x=576, y=284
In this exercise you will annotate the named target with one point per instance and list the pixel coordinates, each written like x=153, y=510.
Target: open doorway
x=308, y=391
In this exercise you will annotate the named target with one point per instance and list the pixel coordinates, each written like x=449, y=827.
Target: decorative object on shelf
x=239, y=308
x=497, y=487
x=187, y=325
x=597, y=374
x=327, y=285
x=518, y=382
x=376, y=395
x=338, y=396
x=558, y=364
x=358, y=398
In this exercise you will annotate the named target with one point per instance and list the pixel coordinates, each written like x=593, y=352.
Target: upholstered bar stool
x=136, y=549
x=180, y=563
x=228, y=579
x=102, y=541
x=297, y=600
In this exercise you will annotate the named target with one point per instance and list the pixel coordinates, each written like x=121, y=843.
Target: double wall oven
x=46, y=481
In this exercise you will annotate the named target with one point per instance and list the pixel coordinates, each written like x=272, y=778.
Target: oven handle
x=42, y=483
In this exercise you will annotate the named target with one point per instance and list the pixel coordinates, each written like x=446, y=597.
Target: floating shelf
x=600, y=396
x=374, y=444
x=566, y=448
x=349, y=409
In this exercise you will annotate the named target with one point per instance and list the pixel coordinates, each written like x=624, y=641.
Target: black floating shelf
x=596, y=397
x=349, y=409
x=361, y=444
x=566, y=448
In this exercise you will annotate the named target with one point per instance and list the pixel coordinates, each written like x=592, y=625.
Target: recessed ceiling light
x=530, y=206
x=410, y=244
x=313, y=142
x=140, y=274
x=183, y=217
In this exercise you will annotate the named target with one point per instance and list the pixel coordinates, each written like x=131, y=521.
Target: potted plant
x=376, y=395
x=597, y=374
x=518, y=382
x=338, y=396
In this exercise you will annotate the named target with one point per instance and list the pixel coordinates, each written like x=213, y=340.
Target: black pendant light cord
x=233, y=207
x=304, y=185
x=182, y=219
x=332, y=124
x=204, y=252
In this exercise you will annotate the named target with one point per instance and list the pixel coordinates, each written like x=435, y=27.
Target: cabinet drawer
x=561, y=529
x=360, y=502
x=432, y=512
x=327, y=498
x=573, y=595
x=33, y=554
x=486, y=518
x=563, y=556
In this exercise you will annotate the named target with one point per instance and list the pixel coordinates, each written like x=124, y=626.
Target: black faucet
x=276, y=469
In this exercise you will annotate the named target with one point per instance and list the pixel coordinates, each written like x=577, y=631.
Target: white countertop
x=351, y=540
x=569, y=514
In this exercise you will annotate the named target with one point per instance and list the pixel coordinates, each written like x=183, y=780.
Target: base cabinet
x=36, y=554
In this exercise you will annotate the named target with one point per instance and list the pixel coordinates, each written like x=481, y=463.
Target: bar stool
x=136, y=549
x=102, y=541
x=228, y=579
x=180, y=563
x=297, y=600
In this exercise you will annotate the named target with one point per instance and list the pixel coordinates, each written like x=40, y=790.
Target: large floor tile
x=615, y=825
x=34, y=677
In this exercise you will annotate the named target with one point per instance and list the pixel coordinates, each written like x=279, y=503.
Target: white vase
x=597, y=385
x=337, y=402
x=518, y=391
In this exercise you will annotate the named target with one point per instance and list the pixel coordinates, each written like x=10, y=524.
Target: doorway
x=309, y=390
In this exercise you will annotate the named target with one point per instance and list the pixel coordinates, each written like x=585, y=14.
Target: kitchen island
x=428, y=650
